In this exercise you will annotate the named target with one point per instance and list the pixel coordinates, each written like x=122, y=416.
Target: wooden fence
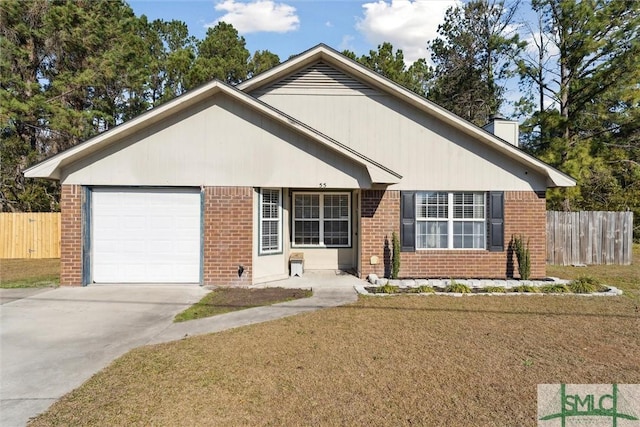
x=589, y=237
x=30, y=235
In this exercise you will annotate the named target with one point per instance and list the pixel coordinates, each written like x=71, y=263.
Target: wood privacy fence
x=30, y=235
x=593, y=237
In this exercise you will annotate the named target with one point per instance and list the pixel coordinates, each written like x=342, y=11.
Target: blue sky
x=289, y=27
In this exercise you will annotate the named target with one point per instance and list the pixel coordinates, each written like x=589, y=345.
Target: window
x=450, y=220
x=322, y=219
x=270, y=221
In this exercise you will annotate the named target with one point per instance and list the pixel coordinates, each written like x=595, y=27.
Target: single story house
x=319, y=156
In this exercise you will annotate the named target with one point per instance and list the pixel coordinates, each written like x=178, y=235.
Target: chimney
x=504, y=129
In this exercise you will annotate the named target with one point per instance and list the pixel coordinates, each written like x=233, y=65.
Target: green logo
x=588, y=404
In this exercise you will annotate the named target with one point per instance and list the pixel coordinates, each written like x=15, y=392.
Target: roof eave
x=378, y=173
x=50, y=168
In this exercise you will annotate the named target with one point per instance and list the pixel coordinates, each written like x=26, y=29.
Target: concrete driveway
x=53, y=341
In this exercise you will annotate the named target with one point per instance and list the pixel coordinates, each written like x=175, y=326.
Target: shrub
x=426, y=289
x=554, y=289
x=395, y=257
x=457, y=288
x=495, y=289
x=586, y=285
x=525, y=289
x=523, y=255
x=387, y=289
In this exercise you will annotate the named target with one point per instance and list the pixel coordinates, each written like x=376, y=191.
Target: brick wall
x=228, y=234
x=71, y=235
x=379, y=218
x=524, y=214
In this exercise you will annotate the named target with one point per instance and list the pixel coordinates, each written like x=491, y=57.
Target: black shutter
x=407, y=221
x=496, y=221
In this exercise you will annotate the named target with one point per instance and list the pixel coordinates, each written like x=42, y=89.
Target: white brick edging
x=374, y=281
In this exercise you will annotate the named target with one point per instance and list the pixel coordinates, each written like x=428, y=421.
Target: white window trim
x=261, y=219
x=321, y=219
x=450, y=220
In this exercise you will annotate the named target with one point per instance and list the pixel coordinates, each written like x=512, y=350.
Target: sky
x=289, y=27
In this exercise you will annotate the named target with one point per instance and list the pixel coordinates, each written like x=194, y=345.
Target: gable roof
x=51, y=168
x=323, y=53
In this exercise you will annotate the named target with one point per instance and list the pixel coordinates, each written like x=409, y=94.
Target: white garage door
x=145, y=235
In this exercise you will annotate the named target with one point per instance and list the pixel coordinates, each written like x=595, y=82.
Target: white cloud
x=407, y=25
x=346, y=43
x=258, y=16
x=533, y=42
x=328, y=24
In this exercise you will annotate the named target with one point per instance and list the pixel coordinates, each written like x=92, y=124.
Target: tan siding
x=429, y=154
x=218, y=142
x=272, y=266
x=326, y=258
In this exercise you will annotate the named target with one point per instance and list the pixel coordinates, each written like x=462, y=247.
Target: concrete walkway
x=53, y=341
x=330, y=289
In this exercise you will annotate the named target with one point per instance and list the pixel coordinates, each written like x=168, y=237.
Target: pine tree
x=472, y=59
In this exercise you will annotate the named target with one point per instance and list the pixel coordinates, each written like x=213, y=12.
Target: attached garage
x=145, y=235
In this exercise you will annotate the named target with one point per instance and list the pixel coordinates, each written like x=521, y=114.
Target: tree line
x=72, y=69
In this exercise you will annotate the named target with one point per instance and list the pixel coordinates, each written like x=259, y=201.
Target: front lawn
x=625, y=277
x=407, y=360
x=29, y=273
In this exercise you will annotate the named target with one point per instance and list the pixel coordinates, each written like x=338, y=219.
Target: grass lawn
x=225, y=300
x=405, y=360
x=625, y=277
x=29, y=273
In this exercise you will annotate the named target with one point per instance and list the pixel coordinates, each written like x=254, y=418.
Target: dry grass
x=406, y=360
x=625, y=277
x=27, y=273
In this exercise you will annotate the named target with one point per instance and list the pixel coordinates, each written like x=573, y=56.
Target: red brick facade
x=71, y=235
x=524, y=213
x=228, y=235
x=228, y=238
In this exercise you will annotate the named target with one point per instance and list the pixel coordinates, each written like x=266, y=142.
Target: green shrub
x=456, y=287
x=387, y=289
x=395, y=257
x=525, y=289
x=523, y=255
x=426, y=289
x=554, y=289
x=495, y=289
x=586, y=285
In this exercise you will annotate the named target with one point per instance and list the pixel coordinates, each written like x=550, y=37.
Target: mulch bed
x=238, y=298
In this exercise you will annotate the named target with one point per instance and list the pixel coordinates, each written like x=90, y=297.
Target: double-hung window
x=270, y=220
x=450, y=220
x=322, y=219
